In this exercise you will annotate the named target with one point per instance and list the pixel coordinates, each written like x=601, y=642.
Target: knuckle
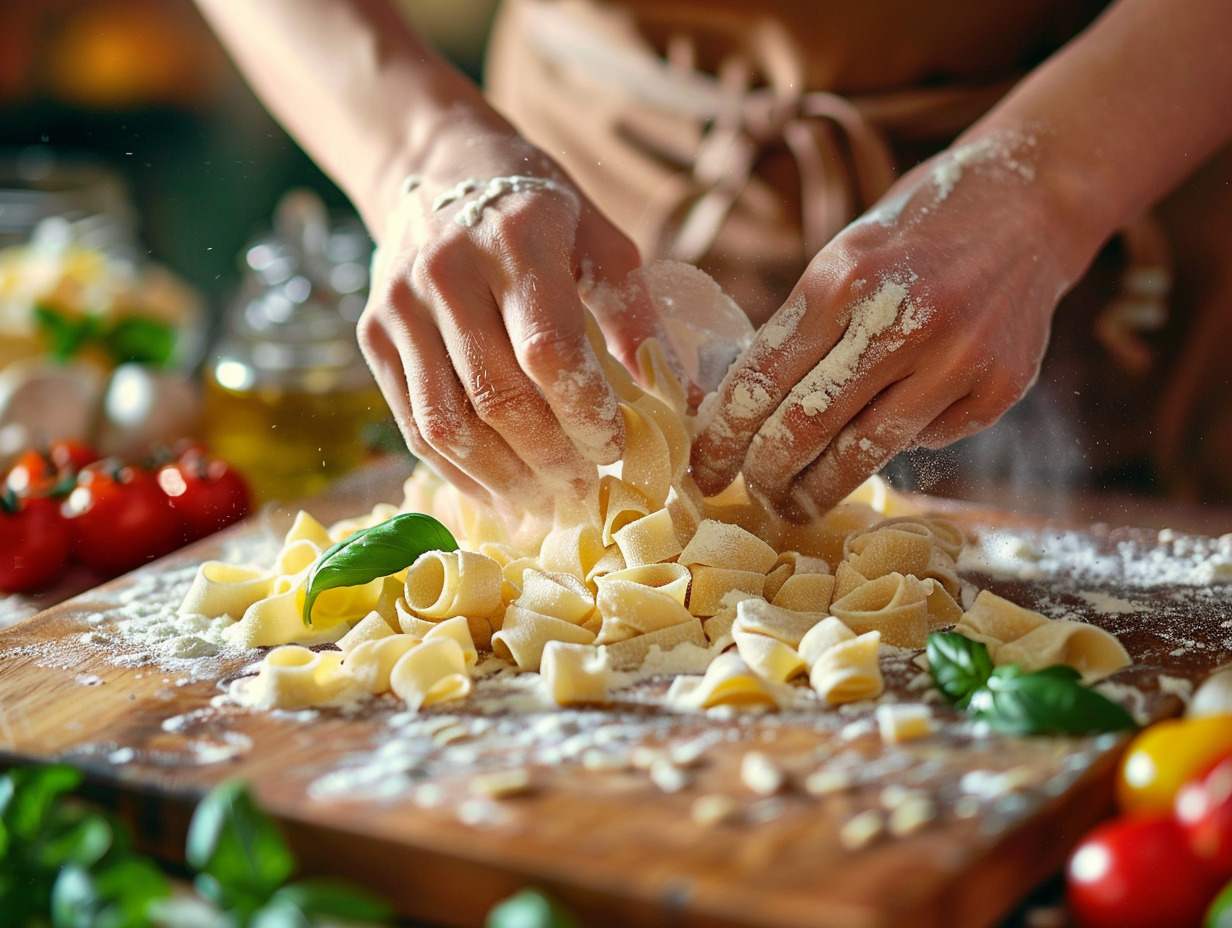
x=500, y=401
x=438, y=428
x=544, y=351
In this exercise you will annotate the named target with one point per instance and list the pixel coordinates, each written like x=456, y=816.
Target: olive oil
x=290, y=442
x=288, y=398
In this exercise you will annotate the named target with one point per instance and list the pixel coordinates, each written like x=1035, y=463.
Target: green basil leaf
x=117, y=895
x=29, y=794
x=1049, y=701
x=237, y=848
x=65, y=336
x=530, y=909
x=140, y=340
x=330, y=897
x=75, y=836
x=375, y=552
x=959, y=666
x=280, y=914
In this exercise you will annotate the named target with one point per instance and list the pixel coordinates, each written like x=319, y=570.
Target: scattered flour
x=1000, y=154
x=488, y=192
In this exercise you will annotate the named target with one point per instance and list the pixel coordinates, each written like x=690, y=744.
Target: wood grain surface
x=391, y=800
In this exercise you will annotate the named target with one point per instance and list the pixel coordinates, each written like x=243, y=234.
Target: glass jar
x=289, y=399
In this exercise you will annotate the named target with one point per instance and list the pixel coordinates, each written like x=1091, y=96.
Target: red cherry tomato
x=34, y=543
x=1138, y=872
x=50, y=470
x=206, y=491
x=1204, y=810
x=119, y=518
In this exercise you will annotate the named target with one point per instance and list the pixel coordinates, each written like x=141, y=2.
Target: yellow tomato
x=1167, y=755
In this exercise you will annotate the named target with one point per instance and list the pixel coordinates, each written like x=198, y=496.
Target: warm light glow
x=1090, y=864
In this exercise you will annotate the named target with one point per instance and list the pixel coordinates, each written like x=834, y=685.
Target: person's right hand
x=476, y=332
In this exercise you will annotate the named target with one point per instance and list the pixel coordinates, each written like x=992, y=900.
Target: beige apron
x=747, y=174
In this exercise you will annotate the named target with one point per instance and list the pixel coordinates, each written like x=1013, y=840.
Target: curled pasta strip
x=630, y=609
x=444, y=584
x=560, y=595
x=295, y=677
x=647, y=463
x=894, y=605
x=619, y=504
x=372, y=662
x=823, y=636
x=762, y=618
x=524, y=635
x=721, y=544
x=432, y=672
x=848, y=671
x=574, y=674
x=220, y=589
x=631, y=653
x=768, y=657
x=650, y=539
x=1015, y=635
x=805, y=593
x=670, y=579
x=371, y=627
x=728, y=681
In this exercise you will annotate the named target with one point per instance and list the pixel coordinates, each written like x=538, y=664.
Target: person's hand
x=917, y=325
x=475, y=329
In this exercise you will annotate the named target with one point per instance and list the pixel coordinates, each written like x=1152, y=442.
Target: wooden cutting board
x=632, y=816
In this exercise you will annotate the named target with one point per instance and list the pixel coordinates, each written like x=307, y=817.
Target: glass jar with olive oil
x=288, y=397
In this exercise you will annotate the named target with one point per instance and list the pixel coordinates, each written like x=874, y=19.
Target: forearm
x=361, y=92
x=1120, y=115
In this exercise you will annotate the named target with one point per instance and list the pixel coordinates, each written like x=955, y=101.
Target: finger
x=620, y=299
x=782, y=353
x=504, y=398
x=963, y=418
x=862, y=364
x=891, y=423
x=545, y=323
x=387, y=369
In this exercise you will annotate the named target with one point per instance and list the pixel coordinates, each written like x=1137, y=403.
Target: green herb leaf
x=375, y=552
x=138, y=339
x=29, y=794
x=117, y=895
x=1048, y=701
x=329, y=897
x=241, y=855
x=530, y=909
x=959, y=666
x=65, y=335
x=280, y=914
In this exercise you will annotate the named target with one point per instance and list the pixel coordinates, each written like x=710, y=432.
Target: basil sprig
x=130, y=339
x=242, y=865
x=375, y=552
x=1048, y=701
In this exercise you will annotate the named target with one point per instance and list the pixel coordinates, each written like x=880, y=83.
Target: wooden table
x=389, y=799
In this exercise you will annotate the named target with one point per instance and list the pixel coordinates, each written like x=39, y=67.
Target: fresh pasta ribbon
x=433, y=672
x=220, y=589
x=294, y=677
x=728, y=681
x=1016, y=635
x=574, y=674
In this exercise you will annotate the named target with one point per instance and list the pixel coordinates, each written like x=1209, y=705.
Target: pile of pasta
x=644, y=565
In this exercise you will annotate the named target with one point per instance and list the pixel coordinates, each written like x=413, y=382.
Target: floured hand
x=475, y=329
x=919, y=324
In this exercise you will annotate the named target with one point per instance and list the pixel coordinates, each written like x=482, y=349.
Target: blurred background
x=172, y=265
x=140, y=88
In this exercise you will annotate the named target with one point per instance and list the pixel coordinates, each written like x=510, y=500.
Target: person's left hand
x=917, y=325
